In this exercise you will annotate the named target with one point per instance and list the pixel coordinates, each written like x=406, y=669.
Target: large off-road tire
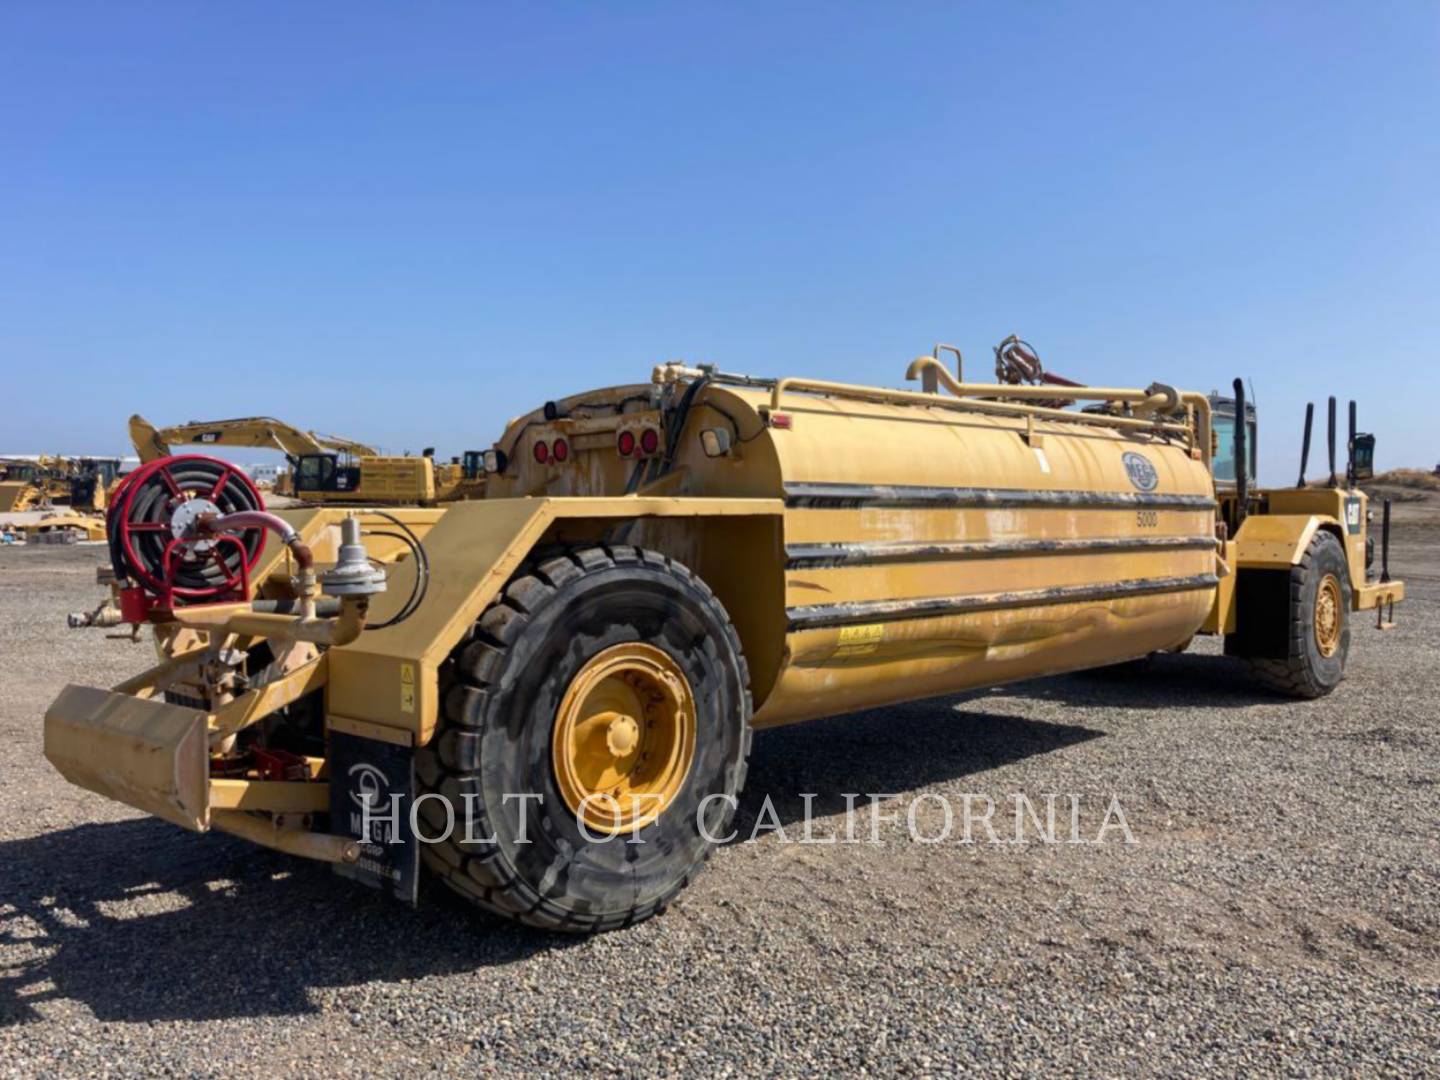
x=574, y=646
x=1317, y=624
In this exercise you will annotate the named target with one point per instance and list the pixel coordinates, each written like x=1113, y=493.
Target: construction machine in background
x=31, y=484
x=544, y=697
x=323, y=468
x=80, y=484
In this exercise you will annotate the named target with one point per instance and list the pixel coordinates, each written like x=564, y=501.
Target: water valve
x=353, y=573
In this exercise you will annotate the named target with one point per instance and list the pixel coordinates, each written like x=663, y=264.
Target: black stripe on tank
x=827, y=496
x=817, y=556
x=817, y=616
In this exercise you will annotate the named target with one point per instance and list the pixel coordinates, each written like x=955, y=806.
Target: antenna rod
x=1242, y=458
x=1333, y=481
x=1350, y=453
x=1305, y=442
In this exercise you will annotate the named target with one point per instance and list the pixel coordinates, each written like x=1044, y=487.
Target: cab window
x=315, y=473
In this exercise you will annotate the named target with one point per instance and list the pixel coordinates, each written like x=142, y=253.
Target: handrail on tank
x=1158, y=397
x=966, y=399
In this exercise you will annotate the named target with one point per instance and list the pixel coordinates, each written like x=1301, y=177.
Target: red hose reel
x=159, y=542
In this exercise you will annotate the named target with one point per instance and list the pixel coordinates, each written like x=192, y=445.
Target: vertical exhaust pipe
x=1350, y=450
x=1305, y=442
x=1334, y=481
x=1242, y=455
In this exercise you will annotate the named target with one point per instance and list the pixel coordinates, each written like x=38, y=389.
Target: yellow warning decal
x=407, y=687
x=855, y=640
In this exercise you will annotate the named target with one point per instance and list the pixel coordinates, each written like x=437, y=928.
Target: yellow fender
x=384, y=685
x=1275, y=541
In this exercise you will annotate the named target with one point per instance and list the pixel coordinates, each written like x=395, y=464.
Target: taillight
x=542, y=452
x=649, y=441
x=560, y=450
x=625, y=443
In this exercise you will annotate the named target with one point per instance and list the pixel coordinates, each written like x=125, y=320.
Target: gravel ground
x=1279, y=911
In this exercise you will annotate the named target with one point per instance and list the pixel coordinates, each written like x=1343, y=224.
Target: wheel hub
x=621, y=735
x=623, y=739
x=184, y=517
x=1328, y=616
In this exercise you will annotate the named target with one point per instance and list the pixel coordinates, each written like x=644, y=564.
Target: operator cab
x=324, y=472
x=92, y=477
x=1364, y=457
x=1222, y=422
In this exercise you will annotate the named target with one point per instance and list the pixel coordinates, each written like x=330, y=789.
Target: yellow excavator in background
x=323, y=468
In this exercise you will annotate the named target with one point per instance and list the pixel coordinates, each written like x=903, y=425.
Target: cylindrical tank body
x=930, y=549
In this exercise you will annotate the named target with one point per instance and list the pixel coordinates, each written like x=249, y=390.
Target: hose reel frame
x=155, y=542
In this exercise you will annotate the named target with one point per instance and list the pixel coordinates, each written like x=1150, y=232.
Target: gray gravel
x=1279, y=912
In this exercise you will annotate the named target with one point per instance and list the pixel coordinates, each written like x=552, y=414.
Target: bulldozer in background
x=31, y=484
x=81, y=484
x=322, y=468
x=544, y=697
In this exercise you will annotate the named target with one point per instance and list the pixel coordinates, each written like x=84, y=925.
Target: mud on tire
x=495, y=739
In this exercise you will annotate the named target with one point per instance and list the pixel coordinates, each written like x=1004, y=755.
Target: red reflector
x=561, y=450
x=542, y=452
x=649, y=440
x=780, y=419
x=625, y=443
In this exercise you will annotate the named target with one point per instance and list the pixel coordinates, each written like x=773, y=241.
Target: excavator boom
x=256, y=431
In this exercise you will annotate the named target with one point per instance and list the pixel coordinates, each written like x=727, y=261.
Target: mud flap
x=381, y=776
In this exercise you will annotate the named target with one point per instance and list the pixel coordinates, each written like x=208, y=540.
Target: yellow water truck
x=545, y=697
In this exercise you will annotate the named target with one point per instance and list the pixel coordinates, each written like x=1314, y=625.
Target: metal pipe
x=243, y=619
x=1039, y=393
x=1197, y=404
x=959, y=361
x=976, y=404
x=1334, y=481
x=308, y=845
x=1305, y=442
x=1163, y=398
x=1242, y=459
x=1350, y=450
x=326, y=607
x=259, y=519
x=1385, y=544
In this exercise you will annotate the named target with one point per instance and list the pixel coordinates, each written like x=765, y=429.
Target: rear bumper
x=155, y=756
x=144, y=753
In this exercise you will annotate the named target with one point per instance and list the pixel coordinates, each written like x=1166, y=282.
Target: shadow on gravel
x=890, y=750
x=1174, y=681
x=139, y=920
x=900, y=748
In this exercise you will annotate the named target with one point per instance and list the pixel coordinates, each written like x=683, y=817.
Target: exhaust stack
x=1350, y=450
x=1305, y=442
x=1242, y=456
x=1334, y=481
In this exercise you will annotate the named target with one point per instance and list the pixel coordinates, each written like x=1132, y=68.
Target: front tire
x=607, y=672
x=1317, y=628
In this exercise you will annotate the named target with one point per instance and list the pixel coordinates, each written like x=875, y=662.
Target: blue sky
x=409, y=222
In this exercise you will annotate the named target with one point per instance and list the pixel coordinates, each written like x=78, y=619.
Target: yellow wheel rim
x=1328, y=615
x=624, y=738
